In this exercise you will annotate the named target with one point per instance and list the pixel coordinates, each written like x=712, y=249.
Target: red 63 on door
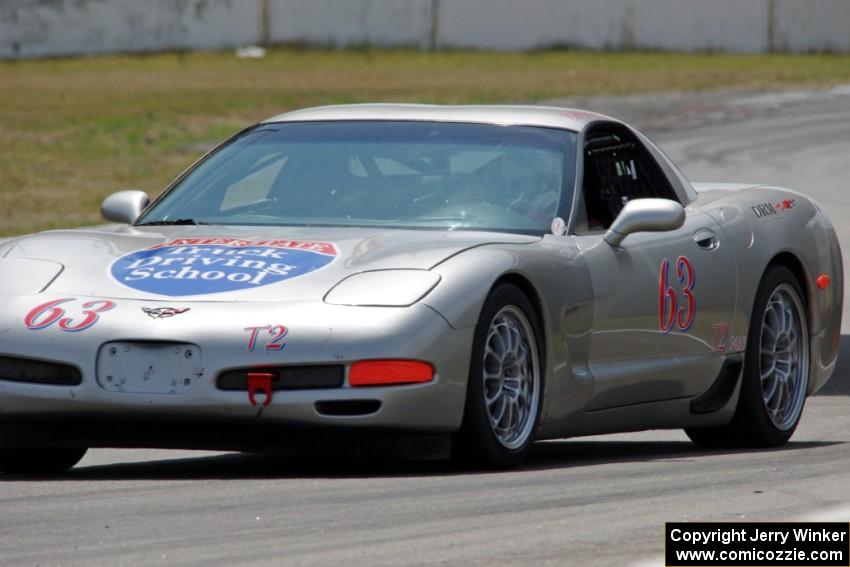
x=676, y=301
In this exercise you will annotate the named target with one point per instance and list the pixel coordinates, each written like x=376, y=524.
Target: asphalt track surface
x=592, y=501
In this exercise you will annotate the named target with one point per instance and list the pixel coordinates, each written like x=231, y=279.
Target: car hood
x=203, y=263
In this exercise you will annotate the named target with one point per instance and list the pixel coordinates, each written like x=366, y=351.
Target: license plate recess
x=148, y=368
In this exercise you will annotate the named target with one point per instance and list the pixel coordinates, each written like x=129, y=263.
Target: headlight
x=383, y=288
x=25, y=276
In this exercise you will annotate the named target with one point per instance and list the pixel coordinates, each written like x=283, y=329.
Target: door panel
x=658, y=303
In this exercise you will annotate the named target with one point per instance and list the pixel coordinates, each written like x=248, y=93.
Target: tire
x=776, y=369
x=505, y=379
x=41, y=461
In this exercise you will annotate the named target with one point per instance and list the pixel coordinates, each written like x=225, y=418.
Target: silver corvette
x=466, y=278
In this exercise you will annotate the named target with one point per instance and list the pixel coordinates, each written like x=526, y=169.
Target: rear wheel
x=40, y=461
x=504, y=392
x=776, y=369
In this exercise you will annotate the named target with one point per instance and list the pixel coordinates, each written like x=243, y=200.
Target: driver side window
x=617, y=169
x=254, y=187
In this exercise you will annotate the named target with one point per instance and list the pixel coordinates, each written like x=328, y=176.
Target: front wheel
x=41, y=461
x=776, y=369
x=504, y=392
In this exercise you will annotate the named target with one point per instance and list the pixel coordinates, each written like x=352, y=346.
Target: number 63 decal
x=44, y=315
x=670, y=312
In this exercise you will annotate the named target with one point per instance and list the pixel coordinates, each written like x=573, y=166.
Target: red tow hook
x=260, y=382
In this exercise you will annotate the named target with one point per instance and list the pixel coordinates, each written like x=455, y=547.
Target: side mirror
x=124, y=206
x=645, y=215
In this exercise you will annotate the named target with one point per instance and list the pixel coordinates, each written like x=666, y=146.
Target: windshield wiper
x=173, y=222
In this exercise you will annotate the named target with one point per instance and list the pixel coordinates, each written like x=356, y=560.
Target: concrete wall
x=32, y=28
x=733, y=25
x=823, y=25
x=345, y=22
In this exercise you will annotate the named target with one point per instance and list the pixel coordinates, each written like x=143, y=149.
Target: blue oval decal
x=198, y=266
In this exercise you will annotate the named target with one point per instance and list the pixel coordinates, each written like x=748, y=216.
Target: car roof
x=546, y=116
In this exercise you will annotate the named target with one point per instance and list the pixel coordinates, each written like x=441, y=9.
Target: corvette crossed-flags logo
x=163, y=312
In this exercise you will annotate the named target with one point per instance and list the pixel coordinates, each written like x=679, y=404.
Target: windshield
x=385, y=174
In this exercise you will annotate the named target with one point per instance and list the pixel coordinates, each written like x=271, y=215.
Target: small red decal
x=721, y=341
x=785, y=205
x=44, y=315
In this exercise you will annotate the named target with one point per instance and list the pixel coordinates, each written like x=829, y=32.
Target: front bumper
x=317, y=334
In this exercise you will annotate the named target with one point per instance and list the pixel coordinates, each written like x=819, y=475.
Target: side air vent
x=15, y=369
x=287, y=377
